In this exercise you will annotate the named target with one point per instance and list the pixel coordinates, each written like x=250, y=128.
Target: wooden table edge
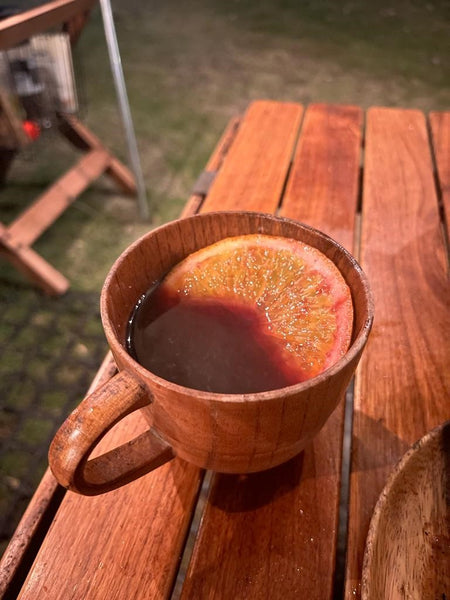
x=37, y=518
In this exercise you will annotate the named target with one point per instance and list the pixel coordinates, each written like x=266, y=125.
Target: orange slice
x=301, y=299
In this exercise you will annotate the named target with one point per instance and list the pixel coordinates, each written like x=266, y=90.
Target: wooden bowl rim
x=383, y=500
x=355, y=348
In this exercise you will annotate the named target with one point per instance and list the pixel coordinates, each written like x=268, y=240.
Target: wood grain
x=273, y=534
x=82, y=137
x=408, y=546
x=126, y=543
x=70, y=450
x=256, y=167
x=440, y=130
x=18, y=28
x=403, y=380
x=121, y=545
x=32, y=265
x=322, y=190
x=54, y=201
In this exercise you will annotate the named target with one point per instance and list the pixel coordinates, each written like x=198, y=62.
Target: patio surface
x=49, y=351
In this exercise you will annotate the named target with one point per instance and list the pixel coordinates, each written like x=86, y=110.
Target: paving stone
x=14, y=463
x=20, y=396
x=8, y=422
x=50, y=349
x=53, y=401
x=35, y=431
x=12, y=361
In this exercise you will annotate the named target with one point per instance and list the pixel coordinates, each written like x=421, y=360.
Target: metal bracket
x=203, y=183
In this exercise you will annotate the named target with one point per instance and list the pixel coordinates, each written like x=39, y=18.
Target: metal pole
x=121, y=91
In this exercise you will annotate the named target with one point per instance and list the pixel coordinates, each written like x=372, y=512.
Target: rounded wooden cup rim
x=355, y=347
x=383, y=501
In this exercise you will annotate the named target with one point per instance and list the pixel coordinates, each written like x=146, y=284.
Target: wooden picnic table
x=379, y=183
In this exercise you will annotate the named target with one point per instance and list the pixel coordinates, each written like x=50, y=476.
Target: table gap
x=437, y=184
x=291, y=163
x=341, y=546
x=344, y=492
x=359, y=202
x=283, y=190
x=192, y=535
x=357, y=231
x=17, y=580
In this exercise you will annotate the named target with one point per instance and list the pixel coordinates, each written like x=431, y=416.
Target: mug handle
x=88, y=423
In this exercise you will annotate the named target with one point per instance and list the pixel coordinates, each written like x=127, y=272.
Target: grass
x=189, y=67
x=396, y=39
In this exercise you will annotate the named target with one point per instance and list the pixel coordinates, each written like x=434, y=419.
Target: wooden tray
x=408, y=546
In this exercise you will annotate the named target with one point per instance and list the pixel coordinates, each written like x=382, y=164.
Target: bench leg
x=17, y=238
x=33, y=266
x=82, y=137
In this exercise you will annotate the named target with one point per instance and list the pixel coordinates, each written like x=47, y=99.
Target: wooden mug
x=231, y=433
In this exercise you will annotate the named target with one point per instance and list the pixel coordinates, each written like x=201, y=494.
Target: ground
x=189, y=67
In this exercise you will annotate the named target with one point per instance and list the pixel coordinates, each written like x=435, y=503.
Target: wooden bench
x=17, y=238
x=296, y=531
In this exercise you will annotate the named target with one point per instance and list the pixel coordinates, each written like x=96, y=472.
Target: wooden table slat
x=29, y=262
x=125, y=544
x=264, y=535
x=53, y=202
x=323, y=185
x=403, y=382
x=254, y=173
